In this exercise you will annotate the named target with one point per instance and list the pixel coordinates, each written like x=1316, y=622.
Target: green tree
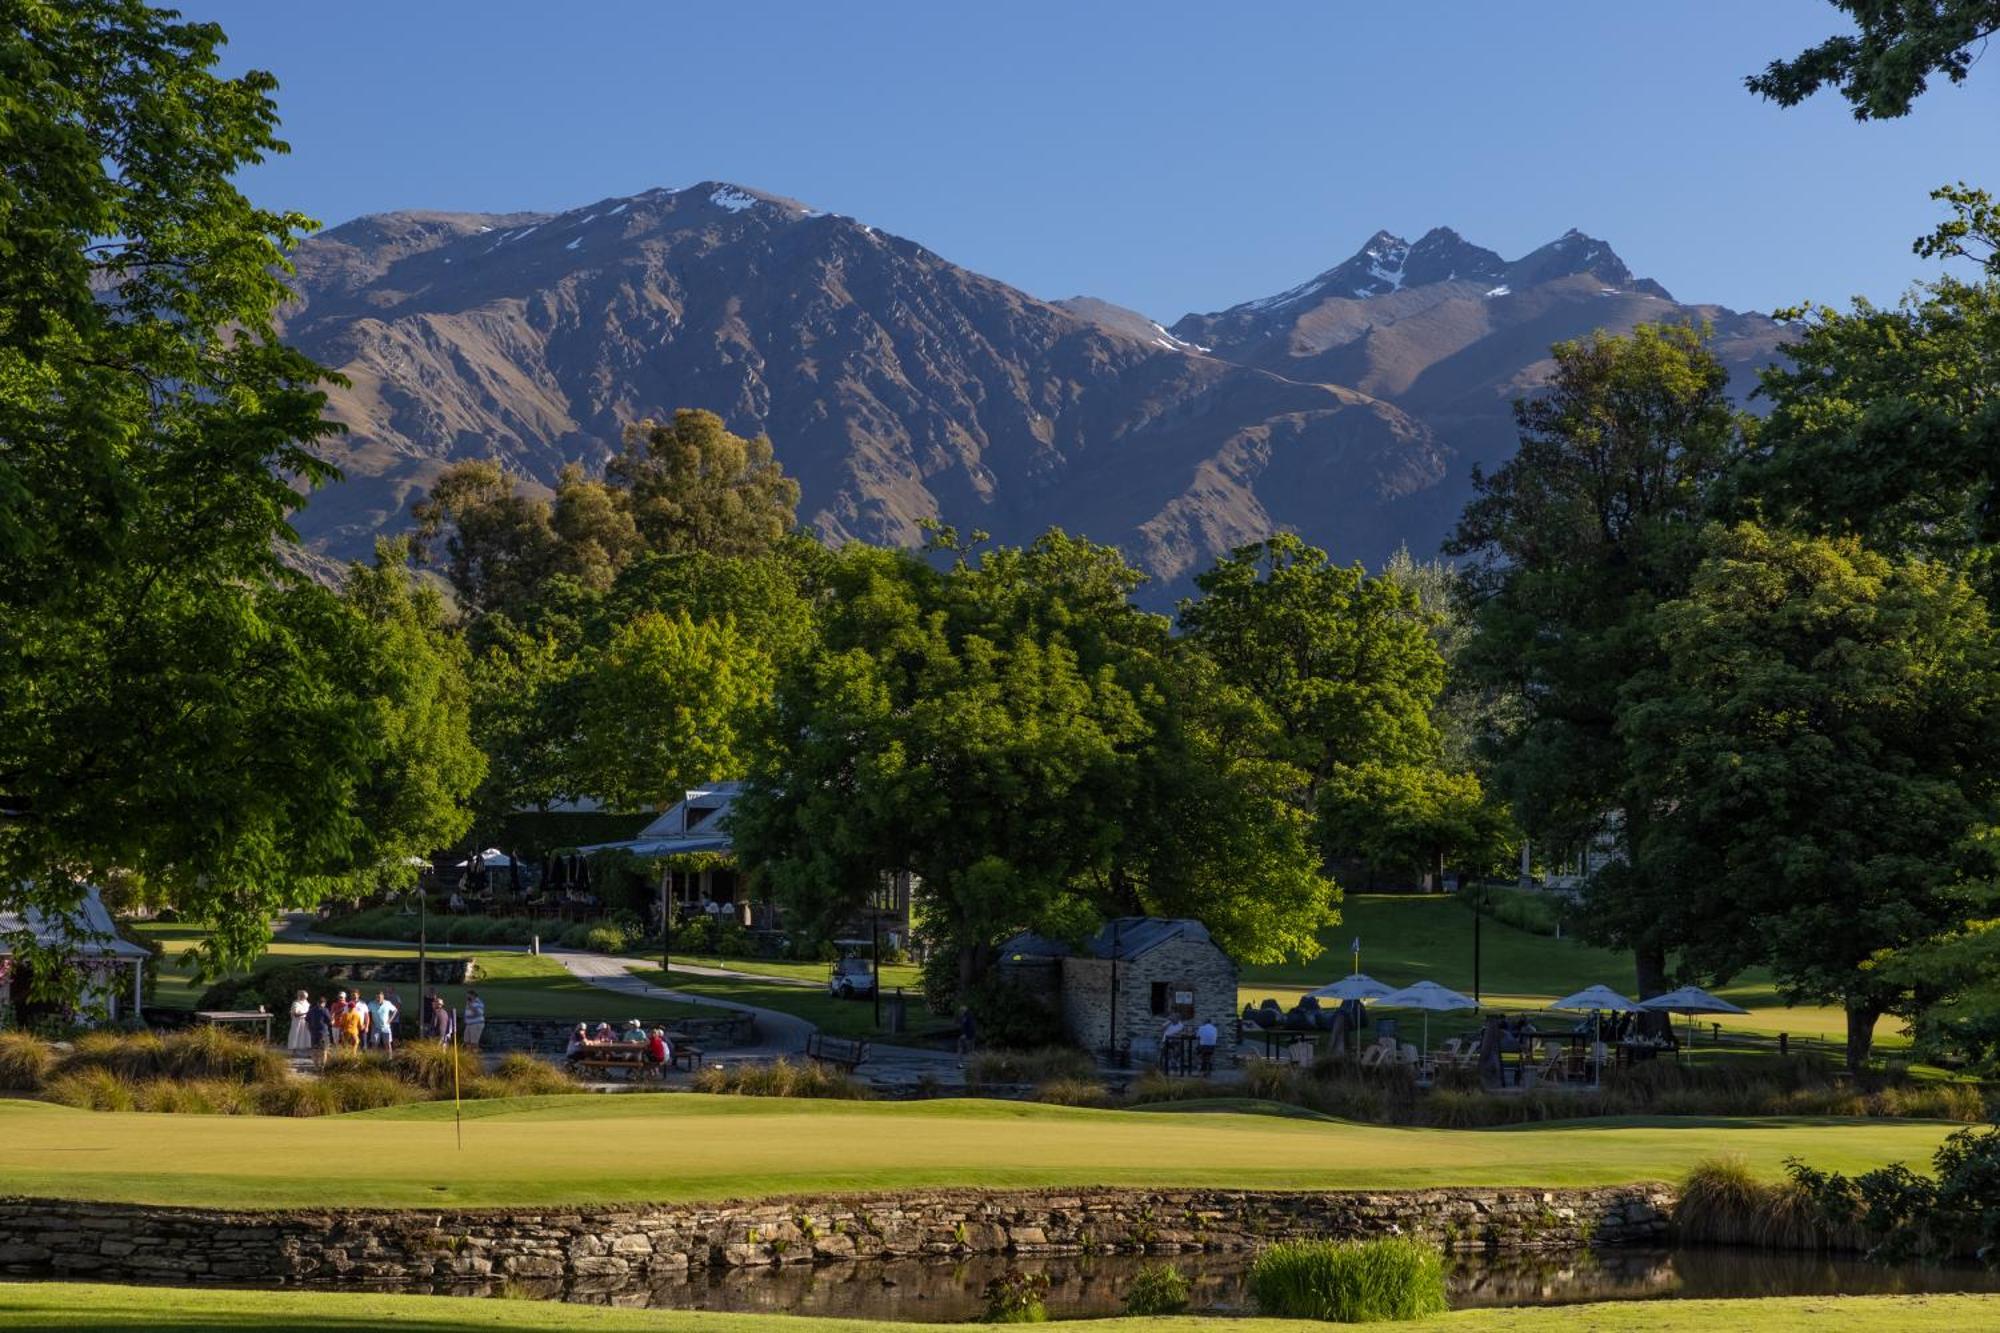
x=1592, y=524
x=1414, y=818
x=1346, y=663
x=1819, y=745
x=694, y=486
x=664, y=708
x=174, y=705
x=1884, y=66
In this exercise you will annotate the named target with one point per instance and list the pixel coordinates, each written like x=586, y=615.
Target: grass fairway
x=40, y=1305
x=551, y=1150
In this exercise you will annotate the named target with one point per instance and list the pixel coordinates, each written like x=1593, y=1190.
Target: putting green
x=582, y=1149
x=41, y=1305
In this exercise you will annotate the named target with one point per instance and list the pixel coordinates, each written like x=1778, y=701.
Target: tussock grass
x=1071, y=1092
x=985, y=1069
x=25, y=1062
x=1157, y=1289
x=1349, y=1281
x=781, y=1078
x=93, y=1088
x=1723, y=1203
x=428, y=1065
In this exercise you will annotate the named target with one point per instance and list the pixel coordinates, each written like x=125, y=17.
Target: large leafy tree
x=1034, y=748
x=503, y=545
x=1882, y=67
x=173, y=704
x=665, y=706
x=1592, y=524
x=696, y=486
x=1819, y=744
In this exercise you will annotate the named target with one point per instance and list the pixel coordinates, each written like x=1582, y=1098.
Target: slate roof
x=1124, y=938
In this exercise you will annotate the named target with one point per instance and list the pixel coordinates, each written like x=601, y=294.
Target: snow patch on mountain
x=732, y=199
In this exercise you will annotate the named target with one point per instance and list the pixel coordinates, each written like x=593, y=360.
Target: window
x=1159, y=997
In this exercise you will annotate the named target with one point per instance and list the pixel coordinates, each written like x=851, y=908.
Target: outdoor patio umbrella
x=1429, y=997
x=1596, y=999
x=1360, y=986
x=1691, y=1000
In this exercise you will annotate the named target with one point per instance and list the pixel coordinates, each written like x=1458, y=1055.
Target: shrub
x=1015, y=1297
x=1901, y=1216
x=987, y=1068
x=525, y=1076
x=1071, y=1092
x=274, y=987
x=428, y=1065
x=1722, y=1203
x=93, y=1089
x=25, y=1062
x=605, y=939
x=780, y=1078
x=1349, y=1281
x=1157, y=1289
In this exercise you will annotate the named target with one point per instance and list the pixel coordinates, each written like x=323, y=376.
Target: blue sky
x=1169, y=156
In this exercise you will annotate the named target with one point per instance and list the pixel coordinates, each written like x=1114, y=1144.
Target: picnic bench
x=849, y=1053
x=632, y=1062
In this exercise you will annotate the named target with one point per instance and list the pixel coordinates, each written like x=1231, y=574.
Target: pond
x=1085, y=1286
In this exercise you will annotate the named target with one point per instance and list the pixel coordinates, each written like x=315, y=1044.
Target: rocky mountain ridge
x=898, y=386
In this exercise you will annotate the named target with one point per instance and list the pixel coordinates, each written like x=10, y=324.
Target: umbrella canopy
x=1360, y=986
x=492, y=858
x=1692, y=1000
x=1597, y=997
x=1429, y=997
x=1426, y=995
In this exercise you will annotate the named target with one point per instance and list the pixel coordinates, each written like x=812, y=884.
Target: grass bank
x=41, y=1305
x=526, y=1151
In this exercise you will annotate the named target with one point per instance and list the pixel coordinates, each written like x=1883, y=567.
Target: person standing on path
x=383, y=1029
x=441, y=1021
x=475, y=1019
x=1205, y=1037
x=299, y=1039
x=319, y=1024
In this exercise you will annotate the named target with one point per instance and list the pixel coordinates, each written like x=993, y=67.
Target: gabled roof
x=696, y=823
x=86, y=932
x=1124, y=938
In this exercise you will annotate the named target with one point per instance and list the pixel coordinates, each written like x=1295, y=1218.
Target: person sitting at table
x=579, y=1042
x=658, y=1052
x=635, y=1031
x=603, y=1035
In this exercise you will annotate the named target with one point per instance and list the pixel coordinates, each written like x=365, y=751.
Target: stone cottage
x=1118, y=990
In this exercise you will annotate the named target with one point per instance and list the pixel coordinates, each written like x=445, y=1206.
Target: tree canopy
x=1898, y=47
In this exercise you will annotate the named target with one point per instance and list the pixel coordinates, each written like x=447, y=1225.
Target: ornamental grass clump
x=1070, y=1092
x=1349, y=1281
x=428, y=1065
x=1723, y=1203
x=1043, y=1064
x=780, y=1078
x=1157, y=1289
x=25, y=1062
x=93, y=1089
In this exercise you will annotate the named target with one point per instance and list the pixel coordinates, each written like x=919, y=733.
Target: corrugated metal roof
x=87, y=931
x=1124, y=938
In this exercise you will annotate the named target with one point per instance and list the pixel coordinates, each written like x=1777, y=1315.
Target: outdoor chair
x=1302, y=1053
x=1448, y=1053
x=1371, y=1057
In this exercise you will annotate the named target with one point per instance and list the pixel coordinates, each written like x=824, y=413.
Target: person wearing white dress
x=299, y=1039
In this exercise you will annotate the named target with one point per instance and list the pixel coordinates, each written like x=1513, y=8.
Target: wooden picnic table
x=225, y=1017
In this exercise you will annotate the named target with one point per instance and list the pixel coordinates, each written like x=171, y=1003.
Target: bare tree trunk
x=1652, y=962
x=1860, y=1033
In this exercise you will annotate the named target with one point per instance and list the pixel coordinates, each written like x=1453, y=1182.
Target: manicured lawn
x=182, y=1310
x=1416, y=937
x=842, y=1018
x=907, y=975
x=514, y=985
x=535, y=1151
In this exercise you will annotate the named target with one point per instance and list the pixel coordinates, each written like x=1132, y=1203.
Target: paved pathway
x=778, y=1033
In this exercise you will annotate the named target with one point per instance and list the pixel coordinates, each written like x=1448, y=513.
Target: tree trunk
x=1860, y=1033
x=969, y=958
x=1652, y=963
x=1437, y=870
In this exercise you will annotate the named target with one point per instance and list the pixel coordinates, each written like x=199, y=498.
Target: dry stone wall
x=41, y=1238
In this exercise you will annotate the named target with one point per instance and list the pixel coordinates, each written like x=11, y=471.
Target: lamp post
x=1478, y=910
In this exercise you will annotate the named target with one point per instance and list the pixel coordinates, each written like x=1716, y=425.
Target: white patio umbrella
x=1429, y=997
x=1360, y=986
x=492, y=858
x=1597, y=999
x=1691, y=1000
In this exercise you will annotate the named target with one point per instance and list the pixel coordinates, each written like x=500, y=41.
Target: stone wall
x=41, y=1238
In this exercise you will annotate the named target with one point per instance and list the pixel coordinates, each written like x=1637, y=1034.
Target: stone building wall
x=610, y=1246
x=1180, y=964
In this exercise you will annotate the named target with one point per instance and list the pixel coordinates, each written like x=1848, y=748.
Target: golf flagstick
x=457, y=1121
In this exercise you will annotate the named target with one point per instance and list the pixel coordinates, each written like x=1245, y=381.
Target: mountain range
x=898, y=386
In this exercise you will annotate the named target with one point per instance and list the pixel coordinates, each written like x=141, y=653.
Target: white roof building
x=87, y=936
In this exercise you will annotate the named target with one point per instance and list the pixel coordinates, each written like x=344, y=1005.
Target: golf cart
x=853, y=977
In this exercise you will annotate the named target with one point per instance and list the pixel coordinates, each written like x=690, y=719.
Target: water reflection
x=1081, y=1286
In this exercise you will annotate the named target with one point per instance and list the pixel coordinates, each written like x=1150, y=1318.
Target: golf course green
x=603, y=1149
